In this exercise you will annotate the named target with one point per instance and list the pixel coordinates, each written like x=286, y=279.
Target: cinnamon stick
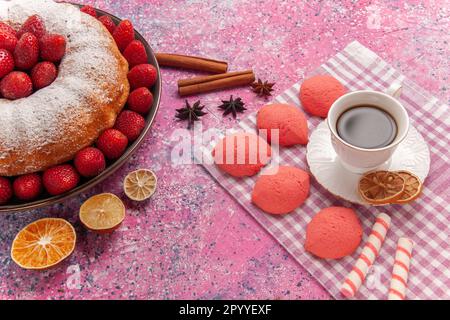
x=202, y=79
x=215, y=82
x=190, y=62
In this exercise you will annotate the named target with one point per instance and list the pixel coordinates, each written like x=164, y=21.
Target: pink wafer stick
x=356, y=277
x=400, y=272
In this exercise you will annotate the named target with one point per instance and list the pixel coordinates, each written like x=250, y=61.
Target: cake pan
x=112, y=167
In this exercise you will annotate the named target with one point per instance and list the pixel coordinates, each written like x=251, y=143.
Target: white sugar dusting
x=40, y=119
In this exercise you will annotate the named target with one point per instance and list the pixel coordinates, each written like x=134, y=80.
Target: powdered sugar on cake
x=87, y=74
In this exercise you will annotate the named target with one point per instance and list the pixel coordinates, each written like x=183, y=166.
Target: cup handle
x=395, y=90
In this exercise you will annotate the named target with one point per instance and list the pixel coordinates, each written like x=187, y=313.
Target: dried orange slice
x=413, y=187
x=102, y=213
x=140, y=185
x=43, y=243
x=381, y=187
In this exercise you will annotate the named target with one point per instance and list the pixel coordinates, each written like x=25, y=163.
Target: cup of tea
x=366, y=127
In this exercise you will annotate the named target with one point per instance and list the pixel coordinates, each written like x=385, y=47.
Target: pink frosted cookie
x=281, y=192
x=289, y=120
x=242, y=154
x=333, y=233
x=318, y=93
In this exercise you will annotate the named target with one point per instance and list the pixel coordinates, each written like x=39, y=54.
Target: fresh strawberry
x=16, y=85
x=6, y=62
x=142, y=75
x=6, y=191
x=28, y=187
x=26, y=54
x=7, y=28
x=60, y=179
x=90, y=162
x=130, y=124
x=34, y=25
x=53, y=47
x=124, y=34
x=112, y=143
x=140, y=100
x=8, y=41
x=89, y=10
x=135, y=53
x=43, y=74
x=108, y=23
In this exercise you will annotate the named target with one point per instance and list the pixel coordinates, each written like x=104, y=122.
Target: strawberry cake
x=48, y=127
x=65, y=75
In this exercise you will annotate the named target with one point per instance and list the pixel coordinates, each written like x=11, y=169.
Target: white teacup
x=358, y=159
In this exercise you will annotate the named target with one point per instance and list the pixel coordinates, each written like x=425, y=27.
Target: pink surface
x=191, y=240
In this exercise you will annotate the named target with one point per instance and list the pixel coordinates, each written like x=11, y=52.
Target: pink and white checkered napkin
x=426, y=221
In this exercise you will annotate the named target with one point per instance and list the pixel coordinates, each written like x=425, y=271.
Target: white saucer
x=412, y=155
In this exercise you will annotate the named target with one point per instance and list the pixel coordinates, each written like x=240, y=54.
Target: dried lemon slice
x=102, y=213
x=413, y=187
x=381, y=187
x=140, y=185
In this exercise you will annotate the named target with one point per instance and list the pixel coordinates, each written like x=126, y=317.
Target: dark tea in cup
x=366, y=126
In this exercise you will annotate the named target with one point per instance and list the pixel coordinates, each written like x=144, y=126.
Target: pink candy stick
x=368, y=255
x=400, y=272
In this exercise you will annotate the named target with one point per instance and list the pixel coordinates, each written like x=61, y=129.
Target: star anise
x=262, y=89
x=191, y=114
x=232, y=106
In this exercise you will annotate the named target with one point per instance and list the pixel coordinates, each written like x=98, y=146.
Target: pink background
x=191, y=240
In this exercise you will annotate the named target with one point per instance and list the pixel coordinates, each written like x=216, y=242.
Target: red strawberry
x=34, y=25
x=16, y=85
x=43, y=74
x=112, y=143
x=6, y=62
x=140, y=100
x=108, y=23
x=28, y=187
x=53, y=47
x=89, y=10
x=6, y=191
x=26, y=54
x=8, y=41
x=142, y=75
x=90, y=162
x=7, y=28
x=130, y=124
x=60, y=179
x=124, y=34
x=135, y=53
